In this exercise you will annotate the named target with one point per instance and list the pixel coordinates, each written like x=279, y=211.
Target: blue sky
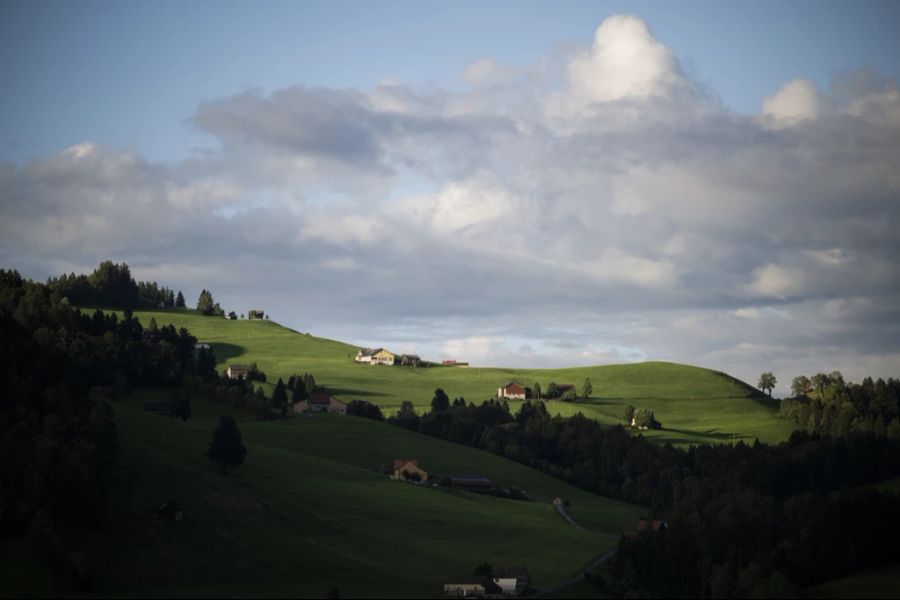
x=131, y=74
x=509, y=183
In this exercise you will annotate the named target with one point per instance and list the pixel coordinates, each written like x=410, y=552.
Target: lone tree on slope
x=226, y=447
x=767, y=382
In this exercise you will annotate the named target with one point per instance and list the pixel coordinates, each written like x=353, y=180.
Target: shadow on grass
x=224, y=352
x=710, y=435
x=337, y=391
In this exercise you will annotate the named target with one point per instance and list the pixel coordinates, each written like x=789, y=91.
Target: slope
x=694, y=404
x=308, y=511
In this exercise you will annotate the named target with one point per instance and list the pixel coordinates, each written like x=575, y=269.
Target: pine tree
x=226, y=447
x=179, y=301
x=280, y=397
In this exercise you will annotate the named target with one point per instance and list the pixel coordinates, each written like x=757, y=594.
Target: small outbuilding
x=235, y=371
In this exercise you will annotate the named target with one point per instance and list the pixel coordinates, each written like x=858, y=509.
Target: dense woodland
x=62, y=371
x=743, y=520
x=828, y=405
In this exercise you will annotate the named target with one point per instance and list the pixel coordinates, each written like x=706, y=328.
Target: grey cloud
x=635, y=227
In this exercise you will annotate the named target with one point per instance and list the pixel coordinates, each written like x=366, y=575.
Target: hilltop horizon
x=563, y=185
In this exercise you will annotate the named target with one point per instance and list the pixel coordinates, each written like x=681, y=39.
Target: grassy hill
x=693, y=404
x=309, y=510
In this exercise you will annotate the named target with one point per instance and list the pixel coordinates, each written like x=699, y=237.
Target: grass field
x=876, y=583
x=694, y=404
x=308, y=511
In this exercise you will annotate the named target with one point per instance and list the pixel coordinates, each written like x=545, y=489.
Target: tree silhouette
x=226, y=447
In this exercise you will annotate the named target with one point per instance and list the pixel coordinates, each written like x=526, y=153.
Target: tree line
x=111, y=284
x=826, y=404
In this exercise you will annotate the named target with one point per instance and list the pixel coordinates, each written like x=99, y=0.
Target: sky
x=508, y=183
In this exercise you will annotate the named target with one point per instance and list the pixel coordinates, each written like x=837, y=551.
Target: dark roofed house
x=514, y=581
x=472, y=586
x=321, y=402
x=472, y=483
x=410, y=360
x=235, y=371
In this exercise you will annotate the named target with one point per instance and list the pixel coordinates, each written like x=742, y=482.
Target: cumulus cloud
x=796, y=102
x=624, y=61
x=620, y=216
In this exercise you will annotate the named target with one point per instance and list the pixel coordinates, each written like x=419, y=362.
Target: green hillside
x=693, y=404
x=309, y=510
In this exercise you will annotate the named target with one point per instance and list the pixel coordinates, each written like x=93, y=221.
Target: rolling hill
x=694, y=404
x=308, y=510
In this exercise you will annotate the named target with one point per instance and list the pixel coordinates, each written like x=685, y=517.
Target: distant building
x=654, y=525
x=383, y=357
x=410, y=360
x=321, y=402
x=473, y=586
x=514, y=581
x=235, y=371
x=201, y=346
x=472, y=483
x=513, y=391
x=256, y=314
x=376, y=356
x=404, y=466
x=454, y=363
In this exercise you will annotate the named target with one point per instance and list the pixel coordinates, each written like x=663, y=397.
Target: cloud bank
x=613, y=211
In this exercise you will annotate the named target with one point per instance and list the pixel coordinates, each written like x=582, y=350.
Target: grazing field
x=694, y=405
x=308, y=511
x=876, y=583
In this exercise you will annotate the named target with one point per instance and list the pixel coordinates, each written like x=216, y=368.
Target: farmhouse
x=255, y=314
x=235, y=371
x=321, y=402
x=514, y=581
x=512, y=390
x=383, y=357
x=407, y=468
x=473, y=586
x=376, y=356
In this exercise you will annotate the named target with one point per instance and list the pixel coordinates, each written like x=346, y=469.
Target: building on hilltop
x=376, y=356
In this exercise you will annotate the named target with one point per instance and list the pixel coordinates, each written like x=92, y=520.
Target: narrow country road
x=596, y=562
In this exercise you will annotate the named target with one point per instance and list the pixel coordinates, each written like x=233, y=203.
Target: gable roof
x=510, y=572
x=399, y=463
x=514, y=387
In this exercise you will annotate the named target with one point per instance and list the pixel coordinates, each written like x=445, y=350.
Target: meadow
x=695, y=405
x=309, y=511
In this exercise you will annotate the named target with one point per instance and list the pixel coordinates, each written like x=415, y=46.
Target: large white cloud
x=621, y=216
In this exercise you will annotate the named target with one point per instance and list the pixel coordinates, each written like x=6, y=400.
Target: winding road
x=579, y=576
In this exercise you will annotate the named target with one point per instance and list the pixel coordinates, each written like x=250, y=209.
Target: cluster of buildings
x=380, y=356
x=502, y=583
x=408, y=469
